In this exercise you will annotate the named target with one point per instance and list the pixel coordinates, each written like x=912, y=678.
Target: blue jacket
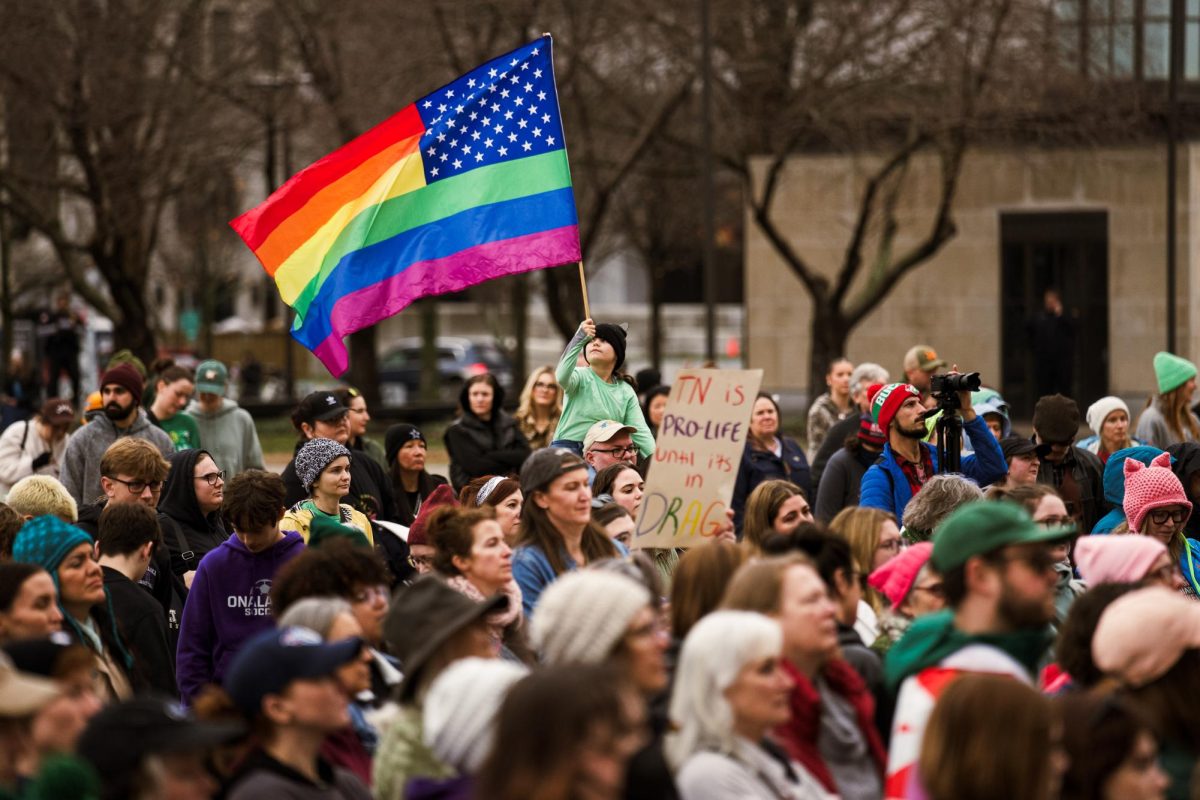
x=1114, y=483
x=533, y=573
x=759, y=465
x=884, y=486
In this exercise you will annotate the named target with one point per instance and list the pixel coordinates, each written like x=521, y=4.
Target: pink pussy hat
x=1115, y=558
x=1151, y=487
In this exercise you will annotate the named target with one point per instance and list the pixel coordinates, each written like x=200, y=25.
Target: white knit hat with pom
x=582, y=615
x=461, y=706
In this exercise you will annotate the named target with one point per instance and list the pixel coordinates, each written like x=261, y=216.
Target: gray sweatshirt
x=80, y=470
x=1152, y=429
x=229, y=434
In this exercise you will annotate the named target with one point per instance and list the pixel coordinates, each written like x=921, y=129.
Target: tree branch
x=630, y=158
x=866, y=210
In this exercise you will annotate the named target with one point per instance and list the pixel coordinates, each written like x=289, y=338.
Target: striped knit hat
x=887, y=402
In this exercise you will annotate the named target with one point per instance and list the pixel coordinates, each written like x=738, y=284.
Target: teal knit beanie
x=45, y=541
x=1172, y=371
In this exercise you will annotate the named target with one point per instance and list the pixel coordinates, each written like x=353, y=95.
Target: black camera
x=948, y=385
x=945, y=389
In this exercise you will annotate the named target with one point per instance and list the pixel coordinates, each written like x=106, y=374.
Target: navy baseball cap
x=275, y=658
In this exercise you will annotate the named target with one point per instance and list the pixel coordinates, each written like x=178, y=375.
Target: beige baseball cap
x=604, y=430
x=923, y=357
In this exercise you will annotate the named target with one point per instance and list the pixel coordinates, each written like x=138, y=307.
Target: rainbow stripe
x=469, y=183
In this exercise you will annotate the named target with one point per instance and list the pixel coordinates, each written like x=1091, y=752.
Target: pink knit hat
x=1143, y=633
x=1151, y=487
x=895, y=578
x=1116, y=559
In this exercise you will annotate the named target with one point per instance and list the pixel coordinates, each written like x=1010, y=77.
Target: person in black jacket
x=484, y=440
x=405, y=447
x=128, y=536
x=322, y=415
x=768, y=455
x=189, y=511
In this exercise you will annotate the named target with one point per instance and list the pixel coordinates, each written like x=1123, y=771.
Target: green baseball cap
x=211, y=377
x=984, y=526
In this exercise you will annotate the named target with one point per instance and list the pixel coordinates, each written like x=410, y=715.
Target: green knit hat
x=1172, y=371
x=322, y=530
x=46, y=541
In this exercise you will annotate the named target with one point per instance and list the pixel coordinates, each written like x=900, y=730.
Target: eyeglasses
x=1055, y=522
x=893, y=546
x=937, y=590
x=420, y=562
x=137, y=487
x=212, y=478
x=631, y=450
x=541, y=385
x=1159, y=516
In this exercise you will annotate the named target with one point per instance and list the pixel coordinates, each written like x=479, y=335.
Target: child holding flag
x=599, y=391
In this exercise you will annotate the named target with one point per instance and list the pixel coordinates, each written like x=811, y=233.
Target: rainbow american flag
x=469, y=183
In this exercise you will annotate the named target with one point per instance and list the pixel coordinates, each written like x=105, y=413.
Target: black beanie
x=397, y=436
x=614, y=335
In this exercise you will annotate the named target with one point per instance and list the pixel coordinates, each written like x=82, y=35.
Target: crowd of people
x=178, y=622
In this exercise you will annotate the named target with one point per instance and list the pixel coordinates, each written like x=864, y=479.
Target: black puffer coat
x=478, y=448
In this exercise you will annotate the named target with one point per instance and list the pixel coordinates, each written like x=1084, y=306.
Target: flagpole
x=587, y=312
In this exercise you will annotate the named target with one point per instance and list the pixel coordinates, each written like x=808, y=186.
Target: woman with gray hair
x=332, y=618
x=730, y=690
x=940, y=495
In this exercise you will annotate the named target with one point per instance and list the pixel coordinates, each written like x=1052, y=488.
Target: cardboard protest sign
x=696, y=457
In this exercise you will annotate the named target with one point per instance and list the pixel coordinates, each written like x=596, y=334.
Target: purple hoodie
x=229, y=602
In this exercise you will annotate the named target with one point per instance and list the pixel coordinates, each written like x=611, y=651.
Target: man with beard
x=121, y=394
x=907, y=462
x=998, y=578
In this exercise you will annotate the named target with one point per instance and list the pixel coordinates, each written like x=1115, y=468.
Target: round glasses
x=212, y=478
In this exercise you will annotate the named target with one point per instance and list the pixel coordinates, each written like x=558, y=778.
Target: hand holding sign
x=699, y=449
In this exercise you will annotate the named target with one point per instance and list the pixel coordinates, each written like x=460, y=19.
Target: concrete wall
x=953, y=301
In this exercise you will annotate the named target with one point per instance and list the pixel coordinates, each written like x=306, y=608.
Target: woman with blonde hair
x=774, y=507
x=874, y=539
x=540, y=407
x=1168, y=418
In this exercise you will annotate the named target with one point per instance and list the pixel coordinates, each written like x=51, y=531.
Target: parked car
x=457, y=359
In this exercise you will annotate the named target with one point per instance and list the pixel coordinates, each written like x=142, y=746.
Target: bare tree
x=110, y=82
x=887, y=81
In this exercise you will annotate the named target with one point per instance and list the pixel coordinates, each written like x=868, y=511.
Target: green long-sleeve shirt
x=587, y=400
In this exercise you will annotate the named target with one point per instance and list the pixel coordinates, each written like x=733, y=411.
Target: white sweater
x=16, y=461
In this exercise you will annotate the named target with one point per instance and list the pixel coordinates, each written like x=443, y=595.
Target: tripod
x=949, y=428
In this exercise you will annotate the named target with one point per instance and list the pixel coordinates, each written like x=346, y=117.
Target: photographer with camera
x=907, y=462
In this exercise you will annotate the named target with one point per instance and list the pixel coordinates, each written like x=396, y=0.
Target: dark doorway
x=1067, y=251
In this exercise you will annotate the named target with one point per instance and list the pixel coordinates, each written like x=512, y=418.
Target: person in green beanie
x=998, y=576
x=1168, y=417
x=69, y=555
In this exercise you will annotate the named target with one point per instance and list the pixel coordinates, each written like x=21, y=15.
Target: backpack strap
x=185, y=551
x=25, y=435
